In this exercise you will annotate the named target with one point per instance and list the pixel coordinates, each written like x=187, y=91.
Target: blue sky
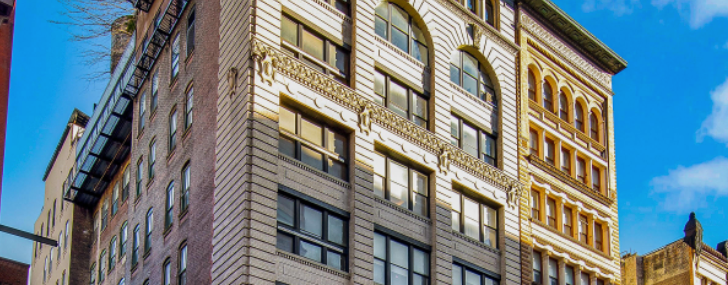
x=671, y=113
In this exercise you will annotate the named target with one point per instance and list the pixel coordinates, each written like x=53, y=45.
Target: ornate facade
x=569, y=216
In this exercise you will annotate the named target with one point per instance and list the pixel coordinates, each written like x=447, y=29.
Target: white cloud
x=716, y=125
x=687, y=189
x=701, y=12
x=619, y=7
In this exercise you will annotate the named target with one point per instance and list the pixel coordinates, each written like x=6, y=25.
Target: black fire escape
x=106, y=143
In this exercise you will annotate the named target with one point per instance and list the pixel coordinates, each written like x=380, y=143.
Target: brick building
x=7, y=26
x=309, y=142
x=60, y=220
x=687, y=261
x=13, y=272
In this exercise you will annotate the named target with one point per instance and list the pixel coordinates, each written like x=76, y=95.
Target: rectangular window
x=112, y=254
x=168, y=217
x=65, y=238
x=184, y=200
x=600, y=282
x=312, y=232
x=583, y=229
x=190, y=33
x=550, y=151
x=105, y=214
x=569, y=272
x=401, y=184
x=537, y=268
x=155, y=91
x=189, y=102
x=167, y=273
x=598, y=237
x=533, y=142
x=135, y=246
x=551, y=211
x=175, y=57
x=142, y=109
x=566, y=161
x=315, y=50
x=568, y=223
x=553, y=272
x=92, y=274
x=474, y=141
x=125, y=184
x=341, y=5
x=397, y=262
x=173, y=130
x=474, y=219
x=596, y=179
x=313, y=143
x=535, y=205
x=54, y=213
x=115, y=199
x=462, y=275
x=102, y=266
x=581, y=170
x=585, y=279
x=123, y=236
x=140, y=175
x=182, y=275
x=152, y=158
x=150, y=227
x=400, y=99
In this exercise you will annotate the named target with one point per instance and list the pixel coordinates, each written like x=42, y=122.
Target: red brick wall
x=6, y=51
x=13, y=272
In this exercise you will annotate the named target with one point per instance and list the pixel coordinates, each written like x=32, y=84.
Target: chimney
x=121, y=31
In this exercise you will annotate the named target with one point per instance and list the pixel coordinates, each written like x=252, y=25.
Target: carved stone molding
x=382, y=116
x=565, y=51
x=485, y=28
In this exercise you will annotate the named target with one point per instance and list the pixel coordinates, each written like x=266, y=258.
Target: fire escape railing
x=143, y=5
x=106, y=142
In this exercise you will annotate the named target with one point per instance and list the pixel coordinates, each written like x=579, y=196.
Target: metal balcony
x=143, y=5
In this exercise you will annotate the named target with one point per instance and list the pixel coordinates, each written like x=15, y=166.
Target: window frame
x=552, y=221
x=154, y=101
x=596, y=178
x=152, y=158
x=567, y=220
x=169, y=207
x=412, y=94
x=149, y=228
x=411, y=247
x=125, y=180
x=553, y=279
x=482, y=223
x=142, y=111
x=563, y=106
x=547, y=98
x=536, y=204
x=410, y=33
x=594, y=127
x=411, y=172
x=565, y=164
x=583, y=228
x=549, y=153
x=599, y=236
x=190, y=32
x=167, y=272
x=537, y=271
x=325, y=65
x=482, y=73
x=298, y=234
x=534, y=142
x=189, y=106
x=173, y=129
x=123, y=238
x=328, y=153
x=465, y=267
x=186, y=180
x=579, y=115
x=135, y=246
x=182, y=266
x=139, y=177
x=482, y=134
x=112, y=253
x=175, y=54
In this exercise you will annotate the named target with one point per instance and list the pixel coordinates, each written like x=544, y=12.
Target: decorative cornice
x=270, y=61
x=576, y=184
x=327, y=6
x=570, y=29
x=566, y=52
x=566, y=125
x=487, y=30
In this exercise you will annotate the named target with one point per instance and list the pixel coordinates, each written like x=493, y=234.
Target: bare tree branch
x=89, y=21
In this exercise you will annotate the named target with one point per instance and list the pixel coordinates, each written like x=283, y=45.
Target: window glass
x=289, y=30
x=313, y=45
x=457, y=274
x=286, y=208
x=284, y=242
x=310, y=251
x=311, y=132
x=336, y=229
x=471, y=278
x=400, y=19
x=287, y=120
x=569, y=272
x=311, y=221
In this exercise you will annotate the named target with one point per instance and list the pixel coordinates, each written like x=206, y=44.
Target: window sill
x=402, y=210
x=134, y=267
x=167, y=230
x=183, y=214
x=173, y=81
x=171, y=154
x=186, y=133
x=147, y=253
x=314, y=264
x=320, y=173
x=190, y=56
x=476, y=242
x=140, y=133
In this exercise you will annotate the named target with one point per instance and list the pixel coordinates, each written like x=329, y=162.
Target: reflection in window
x=549, y=151
x=548, y=97
x=474, y=141
x=537, y=267
x=579, y=117
x=596, y=179
x=594, y=127
x=462, y=275
x=531, y=86
x=551, y=212
x=311, y=232
x=553, y=272
x=467, y=72
x=313, y=143
x=395, y=25
x=563, y=107
x=474, y=219
x=535, y=205
x=400, y=184
x=395, y=262
x=315, y=50
x=402, y=100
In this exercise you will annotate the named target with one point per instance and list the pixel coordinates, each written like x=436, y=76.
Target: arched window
x=467, y=72
x=594, y=126
x=548, y=97
x=579, y=117
x=531, y=86
x=563, y=107
x=395, y=25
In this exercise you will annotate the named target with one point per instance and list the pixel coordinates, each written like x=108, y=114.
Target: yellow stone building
x=569, y=222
